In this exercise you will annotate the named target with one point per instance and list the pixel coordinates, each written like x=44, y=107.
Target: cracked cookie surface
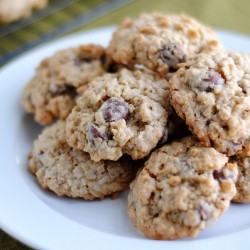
x=212, y=94
x=52, y=91
x=71, y=172
x=123, y=113
x=182, y=189
x=160, y=42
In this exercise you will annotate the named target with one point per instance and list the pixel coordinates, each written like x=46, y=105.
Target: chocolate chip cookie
x=160, y=42
x=212, y=94
x=122, y=113
x=183, y=189
x=71, y=172
x=52, y=91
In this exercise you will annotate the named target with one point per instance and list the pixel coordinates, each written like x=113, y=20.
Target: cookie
x=122, y=113
x=12, y=10
x=52, y=91
x=212, y=94
x=243, y=181
x=182, y=189
x=71, y=172
x=160, y=42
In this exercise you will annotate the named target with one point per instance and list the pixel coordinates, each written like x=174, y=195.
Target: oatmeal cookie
x=52, y=91
x=12, y=10
x=212, y=94
x=243, y=181
x=183, y=189
x=123, y=113
x=71, y=172
x=160, y=42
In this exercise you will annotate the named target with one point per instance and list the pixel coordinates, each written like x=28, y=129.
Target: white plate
x=42, y=220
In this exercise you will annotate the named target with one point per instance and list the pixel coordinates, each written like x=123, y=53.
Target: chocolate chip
x=236, y=144
x=63, y=89
x=204, y=213
x=218, y=175
x=115, y=109
x=94, y=131
x=172, y=54
x=208, y=122
x=211, y=79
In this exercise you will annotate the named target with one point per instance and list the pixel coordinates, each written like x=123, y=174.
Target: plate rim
x=118, y=241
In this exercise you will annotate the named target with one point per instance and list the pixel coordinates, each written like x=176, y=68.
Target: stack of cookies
x=163, y=108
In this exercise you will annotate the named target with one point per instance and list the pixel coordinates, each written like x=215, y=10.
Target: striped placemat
x=59, y=18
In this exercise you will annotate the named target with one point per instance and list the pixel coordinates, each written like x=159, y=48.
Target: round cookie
x=118, y=114
x=71, y=172
x=183, y=189
x=243, y=181
x=160, y=42
x=212, y=94
x=12, y=10
x=52, y=91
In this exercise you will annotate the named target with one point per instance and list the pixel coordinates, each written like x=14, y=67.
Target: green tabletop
x=228, y=14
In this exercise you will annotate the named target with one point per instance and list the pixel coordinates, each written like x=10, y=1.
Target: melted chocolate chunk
x=204, y=213
x=115, y=110
x=95, y=132
x=64, y=89
x=212, y=79
x=236, y=144
x=218, y=175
